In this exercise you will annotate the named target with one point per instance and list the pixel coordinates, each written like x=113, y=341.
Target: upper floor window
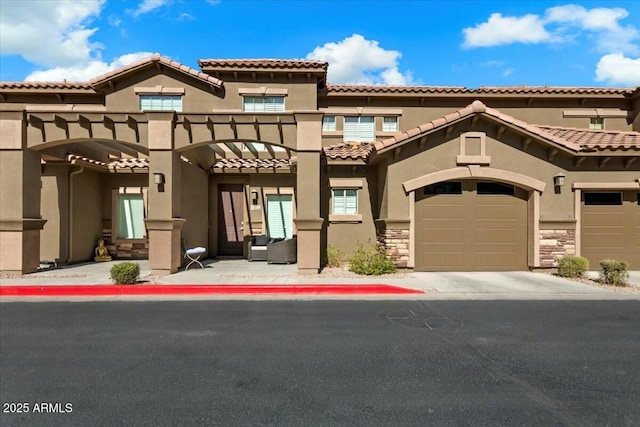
x=328, y=123
x=359, y=128
x=596, y=123
x=263, y=104
x=161, y=102
x=389, y=124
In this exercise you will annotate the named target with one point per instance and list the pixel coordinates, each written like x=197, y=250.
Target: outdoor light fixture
x=558, y=180
x=158, y=177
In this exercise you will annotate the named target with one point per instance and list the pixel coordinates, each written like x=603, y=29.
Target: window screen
x=345, y=201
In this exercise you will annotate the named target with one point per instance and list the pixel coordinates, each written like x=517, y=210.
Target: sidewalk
x=227, y=278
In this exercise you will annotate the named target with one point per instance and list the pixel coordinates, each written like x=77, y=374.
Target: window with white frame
x=359, y=128
x=390, y=124
x=280, y=215
x=263, y=104
x=161, y=102
x=328, y=123
x=130, y=216
x=345, y=201
x=596, y=123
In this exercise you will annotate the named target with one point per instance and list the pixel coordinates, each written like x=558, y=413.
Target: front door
x=230, y=219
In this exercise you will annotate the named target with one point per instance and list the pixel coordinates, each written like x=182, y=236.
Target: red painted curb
x=114, y=290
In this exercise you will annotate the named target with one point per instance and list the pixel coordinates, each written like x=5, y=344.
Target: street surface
x=387, y=363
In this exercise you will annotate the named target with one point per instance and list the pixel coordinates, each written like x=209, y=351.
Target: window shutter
x=390, y=124
x=280, y=215
x=328, y=123
x=351, y=202
x=338, y=201
x=367, y=128
x=351, y=129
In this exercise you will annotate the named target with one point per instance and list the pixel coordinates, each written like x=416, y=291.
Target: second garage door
x=471, y=226
x=611, y=227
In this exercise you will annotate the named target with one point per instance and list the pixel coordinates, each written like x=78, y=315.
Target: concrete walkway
x=476, y=285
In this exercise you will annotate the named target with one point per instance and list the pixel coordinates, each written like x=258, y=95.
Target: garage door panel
x=495, y=236
x=492, y=235
x=611, y=231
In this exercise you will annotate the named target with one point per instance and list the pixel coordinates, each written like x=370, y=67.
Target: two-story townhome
x=443, y=178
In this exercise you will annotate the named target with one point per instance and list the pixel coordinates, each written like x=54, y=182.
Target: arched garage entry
x=474, y=219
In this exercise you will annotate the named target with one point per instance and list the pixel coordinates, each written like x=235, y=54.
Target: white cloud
x=85, y=71
x=618, y=69
x=148, y=5
x=501, y=30
x=356, y=60
x=602, y=24
x=49, y=32
x=559, y=24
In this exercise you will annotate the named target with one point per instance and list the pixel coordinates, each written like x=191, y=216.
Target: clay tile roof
x=266, y=63
x=251, y=164
x=349, y=150
x=46, y=85
x=592, y=138
x=156, y=58
x=394, y=89
x=554, y=90
x=135, y=163
x=573, y=139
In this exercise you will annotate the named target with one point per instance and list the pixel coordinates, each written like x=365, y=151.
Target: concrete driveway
x=446, y=286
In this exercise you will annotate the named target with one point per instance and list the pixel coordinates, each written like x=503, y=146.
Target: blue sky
x=449, y=43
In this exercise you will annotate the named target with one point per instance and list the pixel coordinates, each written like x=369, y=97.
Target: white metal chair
x=193, y=255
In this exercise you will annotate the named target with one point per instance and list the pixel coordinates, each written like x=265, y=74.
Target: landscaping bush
x=370, y=260
x=334, y=257
x=572, y=266
x=613, y=272
x=125, y=273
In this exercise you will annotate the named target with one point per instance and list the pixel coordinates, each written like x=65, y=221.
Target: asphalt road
x=299, y=363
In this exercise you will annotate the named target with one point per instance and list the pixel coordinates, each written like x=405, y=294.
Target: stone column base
x=20, y=245
x=165, y=248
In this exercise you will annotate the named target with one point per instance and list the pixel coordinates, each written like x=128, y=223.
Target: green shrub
x=572, y=266
x=334, y=257
x=613, y=272
x=370, y=260
x=125, y=273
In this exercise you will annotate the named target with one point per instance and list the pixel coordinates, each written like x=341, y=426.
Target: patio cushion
x=195, y=251
x=260, y=240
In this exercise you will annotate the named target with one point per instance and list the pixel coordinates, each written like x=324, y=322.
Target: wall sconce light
x=558, y=180
x=158, y=177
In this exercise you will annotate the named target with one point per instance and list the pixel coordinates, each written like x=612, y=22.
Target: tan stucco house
x=444, y=178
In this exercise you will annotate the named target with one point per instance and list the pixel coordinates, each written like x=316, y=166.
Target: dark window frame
x=444, y=188
x=493, y=188
x=590, y=198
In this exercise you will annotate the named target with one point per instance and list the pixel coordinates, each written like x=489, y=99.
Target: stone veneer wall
x=555, y=244
x=125, y=250
x=396, y=245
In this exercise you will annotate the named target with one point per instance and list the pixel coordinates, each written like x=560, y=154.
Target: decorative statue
x=101, y=252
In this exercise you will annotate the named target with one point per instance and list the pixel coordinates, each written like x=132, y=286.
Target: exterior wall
x=55, y=209
x=86, y=211
x=194, y=194
x=300, y=96
x=198, y=97
x=346, y=234
x=539, y=111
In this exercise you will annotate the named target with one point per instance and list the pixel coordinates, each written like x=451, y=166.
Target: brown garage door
x=471, y=226
x=610, y=227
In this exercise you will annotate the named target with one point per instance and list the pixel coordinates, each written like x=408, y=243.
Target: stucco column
x=308, y=220
x=163, y=221
x=20, y=182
